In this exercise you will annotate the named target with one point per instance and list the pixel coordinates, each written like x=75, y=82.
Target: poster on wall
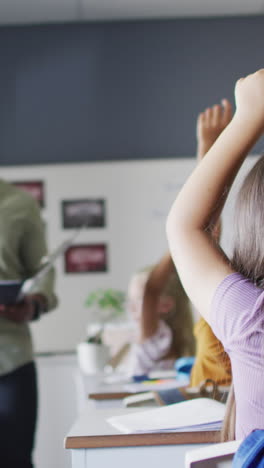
x=89, y=213
x=34, y=187
x=86, y=258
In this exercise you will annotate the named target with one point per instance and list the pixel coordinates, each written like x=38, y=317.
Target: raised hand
x=210, y=124
x=249, y=96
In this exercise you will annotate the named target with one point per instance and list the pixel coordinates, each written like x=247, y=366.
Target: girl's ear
x=165, y=305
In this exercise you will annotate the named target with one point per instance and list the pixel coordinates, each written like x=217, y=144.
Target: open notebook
x=200, y=414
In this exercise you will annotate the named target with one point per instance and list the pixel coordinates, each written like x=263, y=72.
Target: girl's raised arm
x=199, y=260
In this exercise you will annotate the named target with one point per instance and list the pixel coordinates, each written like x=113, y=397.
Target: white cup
x=92, y=357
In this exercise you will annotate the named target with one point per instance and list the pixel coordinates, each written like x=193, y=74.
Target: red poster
x=86, y=258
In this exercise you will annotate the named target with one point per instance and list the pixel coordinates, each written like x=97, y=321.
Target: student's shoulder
x=237, y=303
x=236, y=287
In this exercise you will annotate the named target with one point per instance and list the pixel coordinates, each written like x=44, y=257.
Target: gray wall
x=113, y=91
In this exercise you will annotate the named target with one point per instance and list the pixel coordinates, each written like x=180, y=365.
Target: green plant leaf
x=108, y=300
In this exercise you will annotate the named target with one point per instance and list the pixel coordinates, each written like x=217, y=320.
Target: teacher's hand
x=23, y=311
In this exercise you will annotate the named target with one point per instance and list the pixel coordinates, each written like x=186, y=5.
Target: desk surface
x=103, y=386
x=91, y=430
x=98, y=384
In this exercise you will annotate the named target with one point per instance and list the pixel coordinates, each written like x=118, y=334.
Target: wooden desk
x=95, y=443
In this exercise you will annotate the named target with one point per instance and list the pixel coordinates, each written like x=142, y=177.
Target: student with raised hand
x=155, y=290
x=159, y=305
x=211, y=362
x=229, y=292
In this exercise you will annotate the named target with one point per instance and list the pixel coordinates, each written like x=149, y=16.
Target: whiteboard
x=138, y=197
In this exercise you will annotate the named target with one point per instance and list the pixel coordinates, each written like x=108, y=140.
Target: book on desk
x=201, y=414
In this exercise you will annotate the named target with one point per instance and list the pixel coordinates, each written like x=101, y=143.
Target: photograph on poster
x=34, y=188
x=86, y=258
x=88, y=212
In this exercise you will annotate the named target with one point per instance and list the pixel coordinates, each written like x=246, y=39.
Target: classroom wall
x=117, y=91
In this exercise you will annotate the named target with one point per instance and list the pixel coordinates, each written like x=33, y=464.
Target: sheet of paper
x=192, y=415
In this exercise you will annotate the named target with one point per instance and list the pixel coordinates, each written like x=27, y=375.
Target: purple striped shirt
x=148, y=355
x=237, y=319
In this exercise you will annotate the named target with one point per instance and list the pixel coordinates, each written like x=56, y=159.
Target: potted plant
x=104, y=305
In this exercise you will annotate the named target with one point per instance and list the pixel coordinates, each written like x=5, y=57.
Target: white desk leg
x=78, y=457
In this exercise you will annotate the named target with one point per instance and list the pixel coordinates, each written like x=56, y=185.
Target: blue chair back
x=250, y=453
